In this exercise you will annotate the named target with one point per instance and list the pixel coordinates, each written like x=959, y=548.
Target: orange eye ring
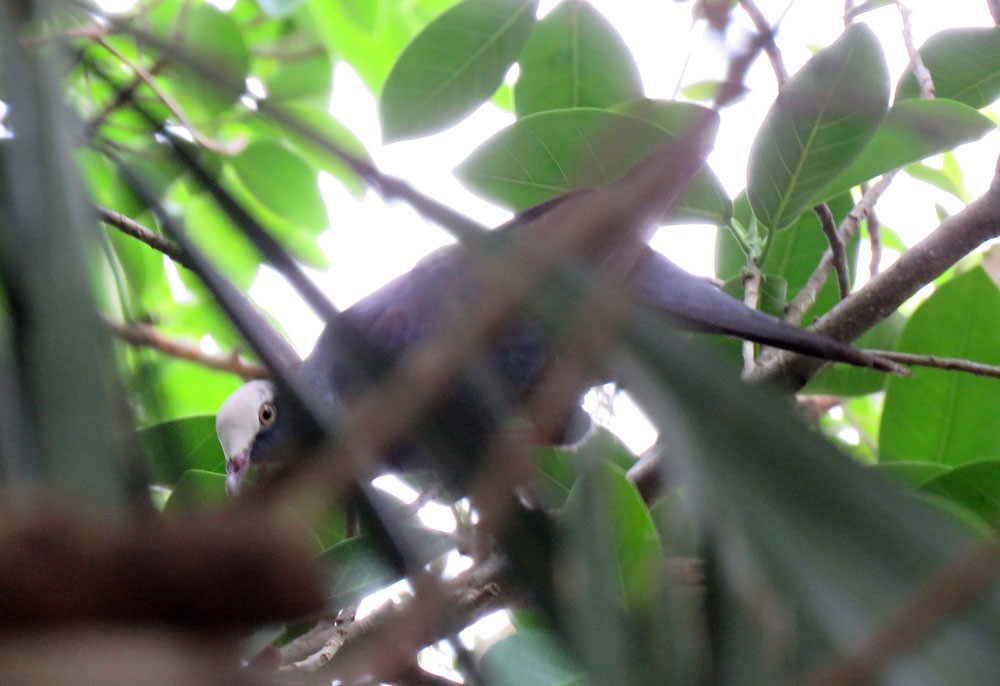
x=267, y=414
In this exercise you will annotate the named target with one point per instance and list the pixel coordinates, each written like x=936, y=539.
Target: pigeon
x=255, y=425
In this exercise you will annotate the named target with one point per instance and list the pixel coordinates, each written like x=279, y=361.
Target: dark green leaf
x=550, y=153
x=453, y=65
x=574, y=58
x=529, y=657
x=785, y=509
x=912, y=473
x=196, y=490
x=911, y=131
x=964, y=64
x=937, y=415
x=282, y=182
x=974, y=485
x=821, y=121
x=174, y=447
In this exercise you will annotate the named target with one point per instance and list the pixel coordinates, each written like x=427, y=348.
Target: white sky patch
x=208, y=345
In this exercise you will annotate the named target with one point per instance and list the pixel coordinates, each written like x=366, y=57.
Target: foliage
x=817, y=545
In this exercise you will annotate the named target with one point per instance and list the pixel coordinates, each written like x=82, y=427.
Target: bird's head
x=249, y=414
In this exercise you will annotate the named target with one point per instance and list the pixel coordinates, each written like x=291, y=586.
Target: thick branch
x=955, y=238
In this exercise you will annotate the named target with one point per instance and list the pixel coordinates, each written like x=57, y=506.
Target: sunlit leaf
x=282, y=182
x=942, y=416
x=964, y=65
x=821, y=121
x=453, y=65
x=911, y=131
x=173, y=447
x=213, y=39
x=574, y=58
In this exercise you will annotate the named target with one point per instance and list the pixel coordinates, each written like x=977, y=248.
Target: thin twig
x=766, y=32
x=920, y=70
x=806, y=297
x=132, y=228
x=141, y=335
x=837, y=251
x=950, y=364
x=168, y=102
x=751, y=298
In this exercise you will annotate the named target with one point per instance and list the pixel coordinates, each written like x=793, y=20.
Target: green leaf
x=183, y=389
x=550, y=153
x=558, y=468
x=784, y=509
x=847, y=380
x=964, y=64
x=308, y=77
x=363, y=12
x=974, y=485
x=793, y=255
x=821, y=121
x=212, y=39
x=941, y=416
x=453, y=65
x=282, y=182
x=702, y=91
x=913, y=474
x=324, y=124
x=605, y=504
x=574, y=58
x=911, y=131
x=948, y=178
x=172, y=448
x=211, y=229
x=196, y=490
x=529, y=656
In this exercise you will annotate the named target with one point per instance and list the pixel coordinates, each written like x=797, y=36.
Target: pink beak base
x=236, y=470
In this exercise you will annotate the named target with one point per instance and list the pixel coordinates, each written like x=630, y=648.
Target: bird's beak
x=236, y=470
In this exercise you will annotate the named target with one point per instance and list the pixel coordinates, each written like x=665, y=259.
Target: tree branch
x=837, y=253
x=143, y=336
x=954, y=238
x=132, y=228
x=916, y=61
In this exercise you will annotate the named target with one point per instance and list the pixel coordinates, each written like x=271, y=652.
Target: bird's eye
x=267, y=414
